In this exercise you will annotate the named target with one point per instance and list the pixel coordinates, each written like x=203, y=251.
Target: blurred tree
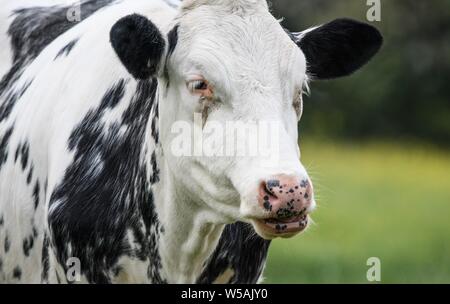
x=403, y=93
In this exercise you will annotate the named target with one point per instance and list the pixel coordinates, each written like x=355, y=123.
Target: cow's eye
x=200, y=87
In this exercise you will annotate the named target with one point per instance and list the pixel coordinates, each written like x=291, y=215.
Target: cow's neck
x=187, y=232
x=189, y=235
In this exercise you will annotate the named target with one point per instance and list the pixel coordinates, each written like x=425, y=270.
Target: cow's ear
x=139, y=45
x=338, y=48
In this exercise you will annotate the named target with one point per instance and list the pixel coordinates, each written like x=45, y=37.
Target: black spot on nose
x=273, y=183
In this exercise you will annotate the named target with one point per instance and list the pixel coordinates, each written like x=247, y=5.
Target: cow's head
x=233, y=63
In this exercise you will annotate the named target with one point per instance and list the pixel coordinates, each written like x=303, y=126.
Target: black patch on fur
x=36, y=191
x=16, y=155
x=65, y=51
x=28, y=244
x=35, y=231
x=155, y=127
x=5, y=83
x=138, y=44
x=7, y=243
x=105, y=191
x=30, y=175
x=172, y=39
x=339, y=48
x=10, y=99
x=36, y=27
x=240, y=249
x=2, y=221
x=45, y=261
x=24, y=152
x=17, y=273
x=4, y=140
x=114, y=96
x=89, y=130
x=154, y=178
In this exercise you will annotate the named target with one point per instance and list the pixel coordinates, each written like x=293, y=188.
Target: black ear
x=139, y=45
x=338, y=48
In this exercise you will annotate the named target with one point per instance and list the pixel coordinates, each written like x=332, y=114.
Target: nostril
x=270, y=187
x=268, y=195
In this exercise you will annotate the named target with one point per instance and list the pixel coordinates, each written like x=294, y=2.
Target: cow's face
x=231, y=85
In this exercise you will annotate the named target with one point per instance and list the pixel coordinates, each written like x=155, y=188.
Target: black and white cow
x=87, y=110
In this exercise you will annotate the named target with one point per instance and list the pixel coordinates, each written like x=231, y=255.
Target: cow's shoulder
x=103, y=204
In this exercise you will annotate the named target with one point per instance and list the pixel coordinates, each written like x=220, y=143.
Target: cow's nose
x=286, y=196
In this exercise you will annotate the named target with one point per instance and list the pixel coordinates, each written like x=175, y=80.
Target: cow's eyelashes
x=200, y=87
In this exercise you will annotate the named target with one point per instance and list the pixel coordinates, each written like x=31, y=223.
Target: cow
x=89, y=180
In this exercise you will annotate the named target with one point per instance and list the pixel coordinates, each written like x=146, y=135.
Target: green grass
x=375, y=200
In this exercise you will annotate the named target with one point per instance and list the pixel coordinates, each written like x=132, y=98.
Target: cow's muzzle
x=287, y=201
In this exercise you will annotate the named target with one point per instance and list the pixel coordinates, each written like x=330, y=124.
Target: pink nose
x=286, y=196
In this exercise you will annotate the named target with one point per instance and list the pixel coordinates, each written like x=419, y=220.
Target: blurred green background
x=377, y=145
